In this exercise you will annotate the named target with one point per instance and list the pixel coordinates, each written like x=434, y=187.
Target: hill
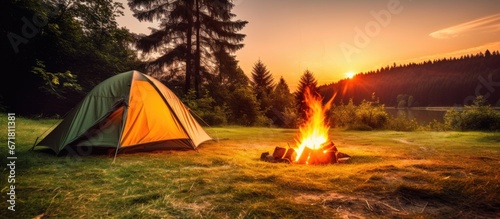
x=443, y=82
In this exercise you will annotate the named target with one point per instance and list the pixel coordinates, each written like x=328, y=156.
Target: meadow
x=391, y=174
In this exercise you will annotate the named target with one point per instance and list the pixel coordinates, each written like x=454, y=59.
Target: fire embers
x=327, y=154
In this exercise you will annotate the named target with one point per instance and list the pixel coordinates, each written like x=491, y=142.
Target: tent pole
x=34, y=143
x=125, y=107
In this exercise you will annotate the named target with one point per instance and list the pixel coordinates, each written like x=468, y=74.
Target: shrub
x=372, y=114
x=203, y=109
x=215, y=117
x=343, y=115
x=453, y=120
x=403, y=124
x=435, y=125
x=290, y=118
x=368, y=114
x=478, y=116
x=360, y=127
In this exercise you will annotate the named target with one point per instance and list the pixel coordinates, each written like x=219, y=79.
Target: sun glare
x=350, y=74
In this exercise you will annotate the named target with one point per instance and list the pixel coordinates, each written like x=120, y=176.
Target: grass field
x=391, y=175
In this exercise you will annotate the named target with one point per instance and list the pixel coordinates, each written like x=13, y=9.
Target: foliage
x=81, y=37
x=232, y=93
x=244, y=108
x=262, y=83
x=403, y=124
x=453, y=119
x=204, y=108
x=435, y=125
x=366, y=116
x=281, y=106
x=306, y=81
x=290, y=118
x=372, y=113
x=344, y=115
x=478, y=116
x=192, y=33
x=262, y=80
x=56, y=83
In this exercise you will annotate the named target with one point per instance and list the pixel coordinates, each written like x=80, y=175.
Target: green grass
x=391, y=175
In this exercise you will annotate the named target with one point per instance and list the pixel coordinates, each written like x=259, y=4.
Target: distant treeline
x=443, y=82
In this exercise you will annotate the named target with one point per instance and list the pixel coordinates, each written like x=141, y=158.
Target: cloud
x=485, y=24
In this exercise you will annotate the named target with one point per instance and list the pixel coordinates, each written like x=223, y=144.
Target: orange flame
x=313, y=133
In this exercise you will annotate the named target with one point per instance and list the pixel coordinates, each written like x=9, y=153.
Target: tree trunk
x=197, y=53
x=189, y=54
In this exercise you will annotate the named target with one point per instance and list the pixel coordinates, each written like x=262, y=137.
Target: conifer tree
x=307, y=81
x=282, y=100
x=190, y=32
x=262, y=80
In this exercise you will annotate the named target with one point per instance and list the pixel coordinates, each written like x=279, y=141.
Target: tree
x=281, y=101
x=203, y=24
x=307, y=81
x=262, y=80
x=487, y=53
x=262, y=83
x=77, y=39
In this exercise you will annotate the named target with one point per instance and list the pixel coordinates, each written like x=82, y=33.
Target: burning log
x=267, y=157
x=280, y=155
x=290, y=155
x=304, y=157
x=327, y=154
x=279, y=152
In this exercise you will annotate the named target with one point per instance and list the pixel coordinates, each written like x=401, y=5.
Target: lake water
x=422, y=115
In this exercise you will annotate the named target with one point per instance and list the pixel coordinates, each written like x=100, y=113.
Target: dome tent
x=128, y=110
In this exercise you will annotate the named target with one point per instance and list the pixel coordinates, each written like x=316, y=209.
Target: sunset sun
x=350, y=74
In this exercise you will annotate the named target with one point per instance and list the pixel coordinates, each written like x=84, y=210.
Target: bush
x=290, y=118
x=343, y=115
x=215, y=117
x=453, y=120
x=479, y=116
x=360, y=127
x=370, y=114
x=435, y=125
x=403, y=124
x=204, y=109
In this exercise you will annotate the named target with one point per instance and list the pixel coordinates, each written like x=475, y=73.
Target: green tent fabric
x=128, y=110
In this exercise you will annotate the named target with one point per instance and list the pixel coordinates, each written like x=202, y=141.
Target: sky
x=331, y=38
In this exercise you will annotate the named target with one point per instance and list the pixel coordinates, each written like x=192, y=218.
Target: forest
x=444, y=82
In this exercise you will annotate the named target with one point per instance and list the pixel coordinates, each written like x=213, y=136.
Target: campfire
x=313, y=145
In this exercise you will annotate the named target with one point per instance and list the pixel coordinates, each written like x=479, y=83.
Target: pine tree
x=190, y=32
x=281, y=100
x=262, y=80
x=262, y=84
x=307, y=81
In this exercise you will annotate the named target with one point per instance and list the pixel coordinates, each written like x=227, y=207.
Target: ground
x=391, y=175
